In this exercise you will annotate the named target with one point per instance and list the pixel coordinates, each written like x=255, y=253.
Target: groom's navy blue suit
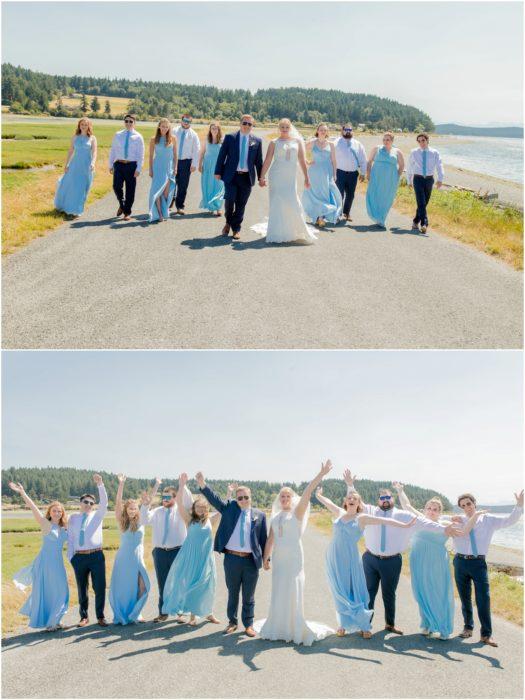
x=240, y=572
x=238, y=185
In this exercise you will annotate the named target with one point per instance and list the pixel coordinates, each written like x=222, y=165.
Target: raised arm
x=363, y=520
x=499, y=521
x=181, y=505
x=267, y=162
x=41, y=520
x=472, y=521
x=332, y=507
x=300, y=509
x=403, y=498
x=212, y=497
x=118, y=501
x=103, y=499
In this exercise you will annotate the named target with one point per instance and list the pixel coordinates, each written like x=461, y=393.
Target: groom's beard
x=347, y=136
x=388, y=505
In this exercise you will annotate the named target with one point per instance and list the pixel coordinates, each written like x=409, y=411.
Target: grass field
x=118, y=105
x=506, y=593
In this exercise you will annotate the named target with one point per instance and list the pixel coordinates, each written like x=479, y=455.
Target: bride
x=286, y=220
x=286, y=616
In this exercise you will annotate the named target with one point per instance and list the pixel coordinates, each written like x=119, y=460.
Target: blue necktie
x=181, y=142
x=166, y=525
x=126, y=145
x=82, y=530
x=383, y=538
x=243, y=520
x=473, y=543
x=242, y=165
x=424, y=162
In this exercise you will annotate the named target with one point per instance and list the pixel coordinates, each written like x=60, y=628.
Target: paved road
x=98, y=283
x=171, y=660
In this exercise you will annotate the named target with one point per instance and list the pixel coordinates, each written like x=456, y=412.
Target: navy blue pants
x=183, y=180
x=346, y=183
x=241, y=574
x=84, y=565
x=467, y=572
x=124, y=174
x=422, y=189
x=236, y=196
x=163, y=559
x=386, y=572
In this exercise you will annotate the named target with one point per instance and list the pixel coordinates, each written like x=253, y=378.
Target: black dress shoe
x=120, y=211
x=226, y=230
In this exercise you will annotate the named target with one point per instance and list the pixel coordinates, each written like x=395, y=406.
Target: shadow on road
x=398, y=231
x=200, y=243
x=358, y=228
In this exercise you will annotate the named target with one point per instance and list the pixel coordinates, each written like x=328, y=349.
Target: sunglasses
x=167, y=497
x=421, y=140
x=464, y=505
x=348, y=131
x=128, y=121
x=385, y=498
x=247, y=123
x=186, y=121
x=243, y=498
x=88, y=503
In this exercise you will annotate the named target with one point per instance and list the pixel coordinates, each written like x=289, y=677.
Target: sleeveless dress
x=162, y=174
x=286, y=221
x=212, y=189
x=286, y=615
x=382, y=188
x=323, y=199
x=124, y=588
x=346, y=577
x=73, y=187
x=432, y=581
x=192, y=579
x=49, y=598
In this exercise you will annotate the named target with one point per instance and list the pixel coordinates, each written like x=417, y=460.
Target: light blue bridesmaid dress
x=382, y=188
x=347, y=578
x=323, y=199
x=49, y=598
x=432, y=581
x=162, y=174
x=127, y=567
x=212, y=189
x=73, y=187
x=191, y=582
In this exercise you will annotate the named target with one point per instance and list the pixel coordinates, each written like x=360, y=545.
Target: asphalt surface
x=102, y=283
x=175, y=661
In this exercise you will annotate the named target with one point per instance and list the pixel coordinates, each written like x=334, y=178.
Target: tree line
x=24, y=90
x=67, y=484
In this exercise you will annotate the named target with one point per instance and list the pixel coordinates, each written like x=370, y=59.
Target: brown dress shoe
x=231, y=628
x=180, y=211
x=160, y=618
x=120, y=211
x=467, y=632
x=83, y=622
x=102, y=622
x=393, y=629
x=249, y=632
x=489, y=641
x=226, y=229
x=236, y=235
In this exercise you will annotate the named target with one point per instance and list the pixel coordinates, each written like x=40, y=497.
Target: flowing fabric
x=286, y=619
x=192, y=579
x=74, y=185
x=162, y=175
x=323, y=199
x=382, y=188
x=211, y=188
x=124, y=594
x=346, y=577
x=49, y=597
x=432, y=581
x=286, y=222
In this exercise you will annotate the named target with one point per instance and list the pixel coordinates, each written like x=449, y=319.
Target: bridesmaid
x=322, y=202
x=344, y=567
x=130, y=584
x=430, y=569
x=49, y=598
x=74, y=185
x=190, y=586
x=162, y=170
x=211, y=188
x=384, y=169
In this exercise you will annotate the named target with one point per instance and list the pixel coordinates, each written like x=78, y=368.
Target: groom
x=241, y=536
x=239, y=159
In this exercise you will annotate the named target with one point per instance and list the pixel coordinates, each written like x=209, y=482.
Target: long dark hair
x=219, y=133
x=169, y=135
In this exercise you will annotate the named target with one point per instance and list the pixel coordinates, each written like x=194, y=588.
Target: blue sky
x=459, y=61
x=446, y=420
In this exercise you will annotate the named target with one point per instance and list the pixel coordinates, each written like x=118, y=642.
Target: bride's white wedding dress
x=285, y=619
x=286, y=221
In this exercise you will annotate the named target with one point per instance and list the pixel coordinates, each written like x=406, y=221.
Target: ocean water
x=511, y=537
x=498, y=157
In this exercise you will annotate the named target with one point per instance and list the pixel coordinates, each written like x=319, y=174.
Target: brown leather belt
x=384, y=556
x=238, y=554
x=88, y=551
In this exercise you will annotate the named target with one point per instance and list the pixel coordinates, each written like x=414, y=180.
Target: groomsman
x=422, y=163
x=188, y=158
x=169, y=533
x=351, y=164
x=125, y=164
x=241, y=536
x=470, y=566
x=84, y=551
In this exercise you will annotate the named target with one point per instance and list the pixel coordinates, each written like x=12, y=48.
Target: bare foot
x=212, y=618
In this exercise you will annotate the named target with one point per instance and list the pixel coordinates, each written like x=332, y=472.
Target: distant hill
x=511, y=132
x=67, y=483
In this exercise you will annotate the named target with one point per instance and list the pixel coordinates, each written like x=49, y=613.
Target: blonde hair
x=126, y=523
x=437, y=501
x=243, y=488
x=356, y=495
x=89, y=129
x=63, y=518
x=284, y=121
x=169, y=135
x=287, y=489
x=319, y=126
x=389, y=134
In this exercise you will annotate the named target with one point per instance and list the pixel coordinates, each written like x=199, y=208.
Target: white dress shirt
x=177, y=530
x=415, y=164
x=234, y=542
x=350, y=155
x=93, y=526
x=135, y=148
x=247, y=148
x=483, y=531
x=191, y=147
x=396, y=538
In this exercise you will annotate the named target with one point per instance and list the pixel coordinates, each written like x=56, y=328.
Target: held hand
x=307, y=184
x=262, y=182
x=192, y=169
x=92, y=167
x=151, y=173
x=199, y=476
x=438, y=185
x=121, y=478
x=200, y=168
x=218, y=177
x=410, y=522
x=319, y=491
x=111, y=171
x=453, y=531
x=519, y=499
x=16, y=487
x=349, y=478
x=137, y=173
x=456, y=518
x=97, y=479
x=183, y=480
x=398, y=486
x=266, y=565
x=361, y=178
x=66, y=168
x=326, y=468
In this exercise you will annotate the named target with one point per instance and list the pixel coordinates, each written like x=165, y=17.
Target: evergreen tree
x=83, y=103
x=107, y=108
x=95, y=104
